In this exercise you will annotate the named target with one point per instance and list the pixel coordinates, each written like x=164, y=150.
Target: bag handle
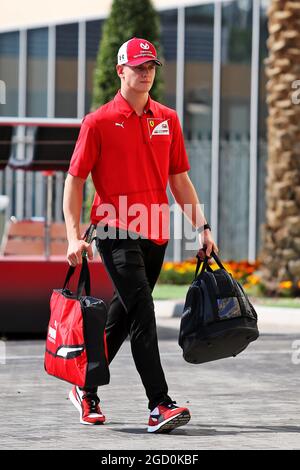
x=205, y=266
x=84, y=281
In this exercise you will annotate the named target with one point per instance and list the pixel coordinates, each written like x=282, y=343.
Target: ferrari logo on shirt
x=158, y=126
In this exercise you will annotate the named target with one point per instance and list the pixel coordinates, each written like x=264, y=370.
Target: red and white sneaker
x=88, y=406
x=167, y=416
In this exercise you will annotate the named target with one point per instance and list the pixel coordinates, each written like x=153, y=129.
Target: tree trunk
x=281, y=232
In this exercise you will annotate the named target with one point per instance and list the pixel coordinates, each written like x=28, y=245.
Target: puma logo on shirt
x=120, y=124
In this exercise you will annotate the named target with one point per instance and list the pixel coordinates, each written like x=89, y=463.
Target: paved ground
x=249, y=402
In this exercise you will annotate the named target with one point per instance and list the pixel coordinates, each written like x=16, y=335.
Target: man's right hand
x=75, y=250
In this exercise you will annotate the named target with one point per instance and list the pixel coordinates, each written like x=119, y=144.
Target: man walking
x=133, y=146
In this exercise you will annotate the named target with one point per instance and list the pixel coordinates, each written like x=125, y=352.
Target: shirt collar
x=125, y=108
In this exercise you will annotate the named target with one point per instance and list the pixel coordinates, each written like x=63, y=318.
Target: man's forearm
x=72, y=205
x=188, y=200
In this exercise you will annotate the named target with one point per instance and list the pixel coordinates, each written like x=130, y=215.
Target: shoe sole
x=179, y=420
x=78, y=407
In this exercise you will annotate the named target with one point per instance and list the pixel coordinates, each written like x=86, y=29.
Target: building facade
x=214, y=77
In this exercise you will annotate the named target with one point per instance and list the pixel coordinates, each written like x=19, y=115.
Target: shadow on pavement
x=218, y=430
x=165, y=333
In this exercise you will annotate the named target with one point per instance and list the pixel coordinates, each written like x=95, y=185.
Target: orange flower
x=285, y=284
x=168, y=266
x=254, y=280
x=179, y=269
x=247, y=285
x=249, y=270
x=189, y=267
x=240, y=270
x=228, y=267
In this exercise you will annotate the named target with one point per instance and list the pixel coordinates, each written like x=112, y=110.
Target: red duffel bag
x=76, y=348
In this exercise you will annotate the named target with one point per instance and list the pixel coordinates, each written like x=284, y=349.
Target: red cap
x=136, y=51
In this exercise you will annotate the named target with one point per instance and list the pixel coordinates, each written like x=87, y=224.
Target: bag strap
x=84, y=281
x=217, y=260
x=205, y=266
x=70, y=273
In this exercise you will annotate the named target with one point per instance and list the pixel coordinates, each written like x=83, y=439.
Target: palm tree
x=281, y=233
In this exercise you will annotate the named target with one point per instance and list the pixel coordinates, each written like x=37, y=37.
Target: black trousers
x=134, y=266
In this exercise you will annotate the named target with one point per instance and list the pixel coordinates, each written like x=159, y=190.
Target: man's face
x=139, y=78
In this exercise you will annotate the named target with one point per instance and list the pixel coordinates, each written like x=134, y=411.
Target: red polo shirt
x=130, y=158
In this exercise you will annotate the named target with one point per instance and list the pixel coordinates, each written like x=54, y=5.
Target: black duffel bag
x=218, y=319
